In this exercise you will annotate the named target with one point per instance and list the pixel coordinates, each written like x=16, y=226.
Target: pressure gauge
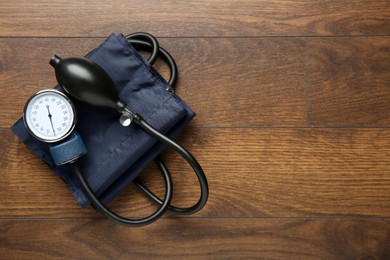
x=49, y=115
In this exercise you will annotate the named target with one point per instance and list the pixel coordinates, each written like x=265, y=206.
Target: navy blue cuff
x=117, y=155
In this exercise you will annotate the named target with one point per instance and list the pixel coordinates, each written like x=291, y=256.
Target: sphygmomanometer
x=74, y=127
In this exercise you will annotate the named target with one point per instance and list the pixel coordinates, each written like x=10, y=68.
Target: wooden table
x=292, y=129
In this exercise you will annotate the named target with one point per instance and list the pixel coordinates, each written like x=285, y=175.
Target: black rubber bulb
x=87, y=82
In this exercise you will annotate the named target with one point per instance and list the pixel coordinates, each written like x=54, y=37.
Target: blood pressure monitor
x=50, y=116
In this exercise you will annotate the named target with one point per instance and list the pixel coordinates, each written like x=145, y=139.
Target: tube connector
x=126, y=117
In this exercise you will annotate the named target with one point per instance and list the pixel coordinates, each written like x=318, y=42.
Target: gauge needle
x=51, y=121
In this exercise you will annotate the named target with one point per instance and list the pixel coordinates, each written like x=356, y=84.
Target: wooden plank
x=198, y=18
x=349, y=82
x=278, y=190
x=251, y=172
x=197, y=238
x=265, y=87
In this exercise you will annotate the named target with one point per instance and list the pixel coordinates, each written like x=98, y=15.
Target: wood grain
x=198, y=239
x=349, y=81
x=197, y=18
x=292, y=130
x=265, y=85
x=251, y=173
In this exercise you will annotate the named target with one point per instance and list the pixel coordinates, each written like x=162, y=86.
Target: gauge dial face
x=49, y=115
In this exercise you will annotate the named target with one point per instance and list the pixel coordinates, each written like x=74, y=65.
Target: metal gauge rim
x=55, y=92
